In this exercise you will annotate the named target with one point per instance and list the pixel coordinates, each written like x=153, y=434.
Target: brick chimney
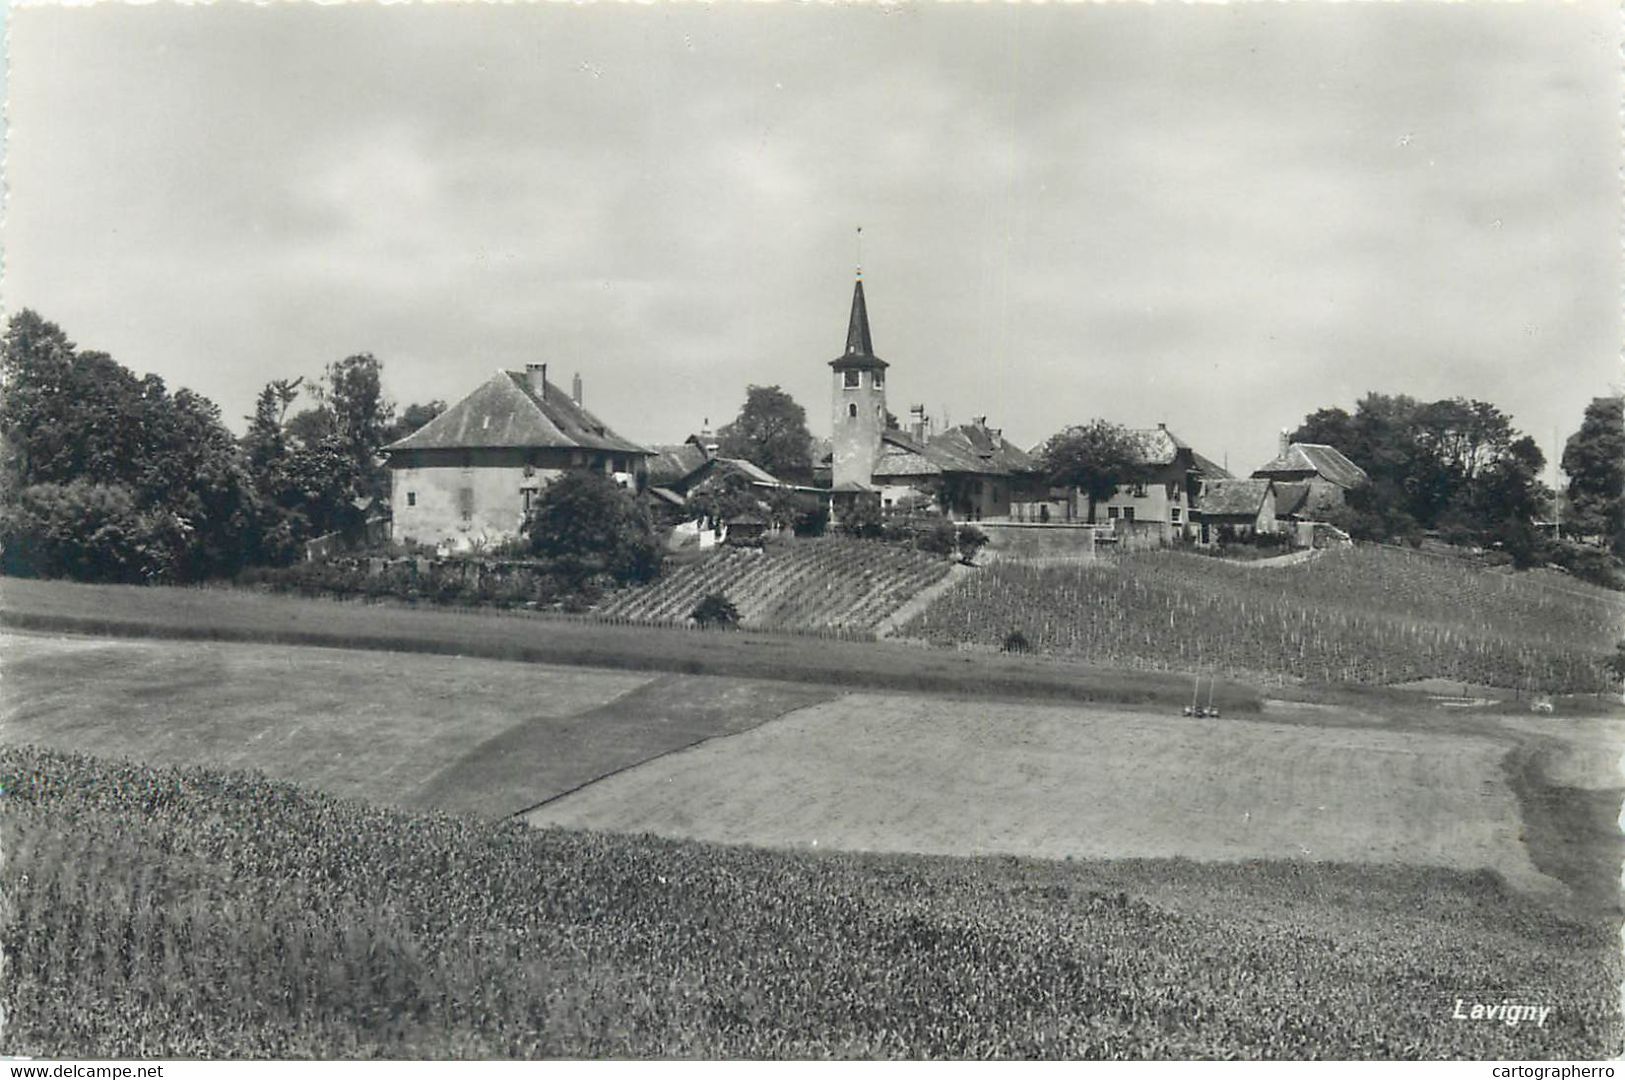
x=536, y=379
x=1286, y=442
x=575, y=388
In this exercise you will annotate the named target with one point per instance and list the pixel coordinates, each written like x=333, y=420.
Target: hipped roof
x=505, y=412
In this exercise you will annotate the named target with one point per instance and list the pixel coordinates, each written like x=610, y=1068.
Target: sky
x=1219, y=217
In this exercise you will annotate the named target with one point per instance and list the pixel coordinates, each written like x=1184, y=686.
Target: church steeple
x=858, y=342
x=860, y=347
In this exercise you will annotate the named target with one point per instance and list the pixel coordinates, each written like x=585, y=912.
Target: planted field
x=827, y=584
x=1360, y=615
x=475, y=736
x=185, y=615
x=873, y=773
x=200, y=914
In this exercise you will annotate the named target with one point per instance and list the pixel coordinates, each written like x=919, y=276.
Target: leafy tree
x=79, y=417
x=586, y=519
x=89, y=532
x=1456, y=465
x=803, y=513
x=722, y=496
x=352, y=393
x=412, y=418
x=1594, y=459
x=771, y=431
x=1094, y=458
x=861, y=519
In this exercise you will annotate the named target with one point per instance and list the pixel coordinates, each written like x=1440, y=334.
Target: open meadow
x=876, y=773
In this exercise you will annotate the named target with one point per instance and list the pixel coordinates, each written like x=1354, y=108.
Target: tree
x=352, y=391
x=412, y=418
x=1094, y=458
x=722, y=496
x=71, y=417
x=1456, y=465
x=770, y=431
x=586, y=520
x=1594, y=459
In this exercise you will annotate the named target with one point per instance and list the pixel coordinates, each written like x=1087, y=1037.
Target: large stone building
x=469, y=476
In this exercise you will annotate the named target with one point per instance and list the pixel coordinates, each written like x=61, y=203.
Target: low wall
x=1031, y=540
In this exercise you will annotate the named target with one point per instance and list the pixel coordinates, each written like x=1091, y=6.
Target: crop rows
x=188, y=913
x=812, y=584
x=1360, y=615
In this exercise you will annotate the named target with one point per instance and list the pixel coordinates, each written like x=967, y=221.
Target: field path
x=922, y=600
x=544, y=758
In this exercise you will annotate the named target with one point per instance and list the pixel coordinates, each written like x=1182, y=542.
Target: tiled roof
x=504, y=412
x=1232, y=497
x=673, y=464
x=1307, y=499
x=1210, y=469
x=976, y=448
x=1318, y=458
x=900, y=455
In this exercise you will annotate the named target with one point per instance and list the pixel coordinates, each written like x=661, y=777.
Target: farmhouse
x=970, y=472
x=1319, y=474
x=1156, y=507
x=1235, y=508
x=469, y=476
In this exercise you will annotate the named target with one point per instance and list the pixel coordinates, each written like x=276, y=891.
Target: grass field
x=1365, y=615
x=868, y=772
x=472, y=736
x=210, y=614
x=134, y=898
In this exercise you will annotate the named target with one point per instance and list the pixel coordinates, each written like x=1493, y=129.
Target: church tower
x=859, y=400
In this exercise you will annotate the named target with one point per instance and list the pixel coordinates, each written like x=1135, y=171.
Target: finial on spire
x=860, y=251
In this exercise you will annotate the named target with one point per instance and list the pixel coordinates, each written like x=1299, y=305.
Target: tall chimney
x=1286, y=441
x=575, y=388
x=536, y=379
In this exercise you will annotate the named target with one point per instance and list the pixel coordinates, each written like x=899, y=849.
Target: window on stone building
x=1138, y=490
x=852, y=411
x=1128, y=513
x=879, y=378
x=850, y=379
x=1175, y=515
x=411, y=498
x=1111, y=512
x=465, y=503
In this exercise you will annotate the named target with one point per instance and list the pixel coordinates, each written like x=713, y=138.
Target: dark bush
x=1016, y=641
x=715, y=610
x=971, y=540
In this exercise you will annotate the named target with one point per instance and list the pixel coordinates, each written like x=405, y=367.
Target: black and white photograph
x=787, y=531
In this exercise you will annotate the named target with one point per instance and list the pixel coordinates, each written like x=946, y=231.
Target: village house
x=969, y=472
x=676, y=472
x=1319, y=474
x=1156, y=506
x=468, y=477
x=1235, y=510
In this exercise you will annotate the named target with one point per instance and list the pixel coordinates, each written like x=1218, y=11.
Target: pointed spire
x=858, y=342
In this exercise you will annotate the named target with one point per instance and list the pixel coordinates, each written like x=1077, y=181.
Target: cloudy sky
x=1217, y=216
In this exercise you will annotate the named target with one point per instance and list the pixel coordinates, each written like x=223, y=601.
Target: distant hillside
x=1360, y=615
x=826, y=584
